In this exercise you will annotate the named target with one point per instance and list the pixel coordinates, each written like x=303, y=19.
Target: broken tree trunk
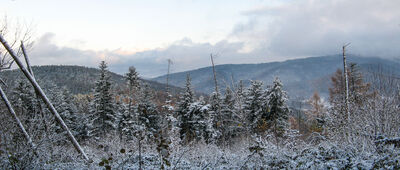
x=44, y=97
x=215, y=74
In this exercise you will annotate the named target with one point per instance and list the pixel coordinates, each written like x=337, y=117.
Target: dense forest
x=126, y=126
x=311, y=113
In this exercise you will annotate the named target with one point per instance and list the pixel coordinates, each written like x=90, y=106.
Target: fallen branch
x=44, y=97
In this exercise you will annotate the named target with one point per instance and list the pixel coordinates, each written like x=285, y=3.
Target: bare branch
x=44, y=97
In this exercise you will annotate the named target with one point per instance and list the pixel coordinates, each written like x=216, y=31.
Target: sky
x=145, y=34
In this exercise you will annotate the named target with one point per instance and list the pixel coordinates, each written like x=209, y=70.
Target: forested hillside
x=240, y=91
x=301, y=77
x=241, y=127
x=77, y=79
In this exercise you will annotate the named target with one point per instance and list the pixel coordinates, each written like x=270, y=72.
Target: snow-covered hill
x=301, y=77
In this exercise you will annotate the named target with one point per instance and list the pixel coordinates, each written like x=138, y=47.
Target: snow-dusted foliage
x=278, y=110
x=147, y=112
x=182, y=111
x=214, y=118
x=231, y=125
x=243, y=128
x=103, y=116
x=255, y=108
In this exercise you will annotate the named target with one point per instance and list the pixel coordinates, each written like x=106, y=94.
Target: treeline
x=236, y=116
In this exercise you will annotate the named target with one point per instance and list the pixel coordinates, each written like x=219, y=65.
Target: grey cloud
x=294, y=29
x=319, y=27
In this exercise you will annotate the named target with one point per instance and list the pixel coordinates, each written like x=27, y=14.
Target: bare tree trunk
x=140, y=151
x=28, y=65
x=44, y=97
x=215, y=74
x=346, y=83
x=169, y=66
x=11, y=110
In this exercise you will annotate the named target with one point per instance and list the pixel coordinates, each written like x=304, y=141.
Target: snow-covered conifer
x=255, y=108
x=147, y=112
x=231, y=124
x=102, y=107
x=278, y=109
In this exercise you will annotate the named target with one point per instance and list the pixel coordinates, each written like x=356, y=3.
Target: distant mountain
x=77, y=79
x=301, y=77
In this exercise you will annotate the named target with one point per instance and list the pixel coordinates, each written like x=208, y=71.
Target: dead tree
x=43, y=97
x=28, y=66
x=346, y=98
x=215, y=74
x=168, y=72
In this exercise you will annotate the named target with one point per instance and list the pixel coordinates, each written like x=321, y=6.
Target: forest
x=143, y=125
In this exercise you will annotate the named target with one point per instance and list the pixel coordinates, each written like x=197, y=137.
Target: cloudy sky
x=147, y=33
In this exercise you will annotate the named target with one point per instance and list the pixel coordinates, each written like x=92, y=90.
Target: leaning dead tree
x=28, y=66
x=43, y=96
x=6, y=63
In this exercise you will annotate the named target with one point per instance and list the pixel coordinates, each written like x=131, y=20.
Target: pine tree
x=103, y=115
x=255, y=108
x=278, y=109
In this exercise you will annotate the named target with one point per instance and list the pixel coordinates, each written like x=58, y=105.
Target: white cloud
x=285, y=30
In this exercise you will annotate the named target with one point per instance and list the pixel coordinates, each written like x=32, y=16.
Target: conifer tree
x=278, y=109
x=103, y=115
x=214, y=118
x=67, y=110
x=148, y=113
x=182, y=110
x=231, y=124
x=128, y=113
x=255, y=108
x=23, y=97
x=200, y=123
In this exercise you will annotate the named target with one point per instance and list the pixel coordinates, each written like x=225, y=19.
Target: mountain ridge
x=77, y=79
x=301, y=77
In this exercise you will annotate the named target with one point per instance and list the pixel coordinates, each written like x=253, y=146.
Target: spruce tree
x=278, y=109
x=148, y=113
x=182, y=110
x=128, y=113
x=214, y=119
x=67, y=110
x=255, y=108
x=200, y=123
x=23, y=99
x=103, y=115
x=231, y=124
